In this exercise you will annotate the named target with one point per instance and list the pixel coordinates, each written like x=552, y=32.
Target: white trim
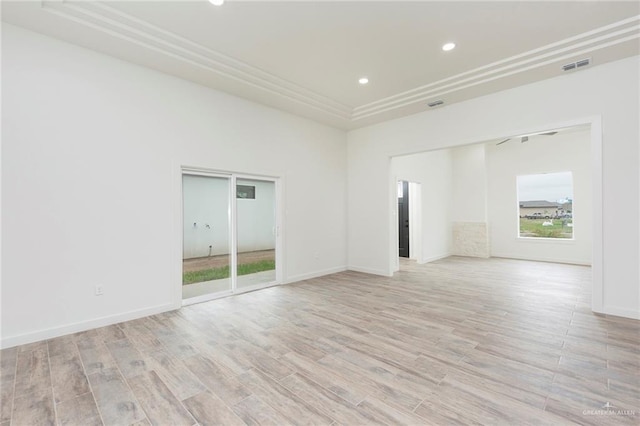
x=370, y=271
x=415, y=220
x=621, y=312
x=434, y=258
x=255, y=287
x=206, y=171
x=233, y=232
x=150, y=38
x=280, y=240
x=120, y=25
x=395, y=232
x=206, y=297
x=178, y=224
x=540, y=240
x=50, y=333
x=498, y=71
x=316, y=274
x=551, y=259
x=597, y=291
x=191, y=171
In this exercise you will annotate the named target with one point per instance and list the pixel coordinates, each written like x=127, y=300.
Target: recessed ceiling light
x=448, y=46
x=363, y=80
x=216, y=2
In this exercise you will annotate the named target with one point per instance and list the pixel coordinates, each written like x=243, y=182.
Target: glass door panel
x=256, y=232
x=206, y=260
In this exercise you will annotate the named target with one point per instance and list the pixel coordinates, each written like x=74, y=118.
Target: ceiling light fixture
x=448, y=46
x=216, y=2
x=363, y=80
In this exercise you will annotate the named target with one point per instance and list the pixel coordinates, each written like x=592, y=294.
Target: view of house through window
x=546, y=205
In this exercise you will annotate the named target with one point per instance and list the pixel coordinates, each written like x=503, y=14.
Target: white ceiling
x=306, y=57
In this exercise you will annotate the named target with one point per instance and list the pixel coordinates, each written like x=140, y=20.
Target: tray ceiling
x=306, y=57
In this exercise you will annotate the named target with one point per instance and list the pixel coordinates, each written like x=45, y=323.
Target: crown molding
x=115, y=23
x=123, y=26
x=582, y=44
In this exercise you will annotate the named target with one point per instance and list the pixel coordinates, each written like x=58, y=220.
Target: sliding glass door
x=256, y=231
x=229, y=234
x=206, y=247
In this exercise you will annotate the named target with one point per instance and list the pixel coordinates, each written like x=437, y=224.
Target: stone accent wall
x=471, y=239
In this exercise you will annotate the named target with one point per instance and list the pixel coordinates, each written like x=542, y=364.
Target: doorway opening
x=409, y=221
x=403, y=219
x=475, y=197
x=230, y=234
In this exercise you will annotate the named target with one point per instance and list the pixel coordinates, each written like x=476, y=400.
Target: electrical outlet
x=99, y=290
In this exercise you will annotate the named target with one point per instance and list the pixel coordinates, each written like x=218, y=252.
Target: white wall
x=606, y=92
x=433, y=171
x=469, y=191
x=92, y=149
x=206, y=216
x=564, y=152
x=469, y=200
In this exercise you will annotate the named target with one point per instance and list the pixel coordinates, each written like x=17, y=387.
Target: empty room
x=229, y=212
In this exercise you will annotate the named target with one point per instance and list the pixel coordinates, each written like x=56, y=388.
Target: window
x=545, y=205
x=246, y=191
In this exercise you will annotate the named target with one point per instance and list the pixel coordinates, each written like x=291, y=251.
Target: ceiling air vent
x=575, y=65
x=436, y=103
x=583, y=63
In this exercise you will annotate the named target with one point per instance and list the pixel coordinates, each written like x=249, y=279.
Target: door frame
x=415, y=222
x=232, y=221
x=406, y=206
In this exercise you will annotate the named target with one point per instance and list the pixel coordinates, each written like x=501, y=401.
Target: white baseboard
x=434, y=258
x=316, y=274
x=369, y=271
x=50, y=333
x=621, y=312
x=542, y=259
x=471, y=255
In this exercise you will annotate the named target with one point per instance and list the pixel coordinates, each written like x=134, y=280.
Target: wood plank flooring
x=457, y=341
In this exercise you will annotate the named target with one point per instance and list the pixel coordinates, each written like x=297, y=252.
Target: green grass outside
x=223, y=272
x=533, y=228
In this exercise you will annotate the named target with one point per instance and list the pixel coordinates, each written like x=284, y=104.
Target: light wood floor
x=458, y=341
